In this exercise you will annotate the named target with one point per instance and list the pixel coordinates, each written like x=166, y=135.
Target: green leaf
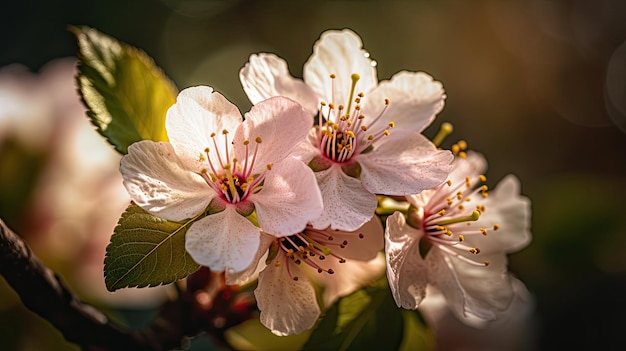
x=146, y=250
x=367, y=319
x=253, y=336
x=126, y=94
x=417, y=335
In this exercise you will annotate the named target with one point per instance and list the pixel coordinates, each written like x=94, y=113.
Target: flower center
x=344, y=134
x=449, y=218
x=231, y=178
x=312, y=247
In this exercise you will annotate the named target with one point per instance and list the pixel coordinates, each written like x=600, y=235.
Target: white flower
x=352, y=150
x=456, y=238
x=340, y=262
x=232, y=167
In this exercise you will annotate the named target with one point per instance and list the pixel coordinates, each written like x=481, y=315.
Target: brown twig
x=41, y=291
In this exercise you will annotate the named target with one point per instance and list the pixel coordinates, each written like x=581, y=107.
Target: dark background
x=539, y=87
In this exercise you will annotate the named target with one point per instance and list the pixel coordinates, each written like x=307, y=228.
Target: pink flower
x=339, y=261
x=353, y=150
x=214, y=162
x=456, y=238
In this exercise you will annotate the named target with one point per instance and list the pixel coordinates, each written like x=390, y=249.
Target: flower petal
x=223, y=240
x=281, y=123
x=406, y=270
x=415, y=99
x=287, y=306
x=511, y=212
x=403, y=163
x=362, y=244
x=157, y=182
x=349, y=277
x=253, y=270
x=198, y=112
x=347, y=204
x=267, y=75
x=339, y=53
x=289, y=198
x=471, y=290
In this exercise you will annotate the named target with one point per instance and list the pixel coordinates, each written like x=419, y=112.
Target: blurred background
x=539, y=87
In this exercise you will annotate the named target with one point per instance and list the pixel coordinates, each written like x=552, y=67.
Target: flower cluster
x=289, y=195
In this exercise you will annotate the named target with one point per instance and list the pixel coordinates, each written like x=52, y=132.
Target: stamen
x=445, y=130
x=355, y=78
x=471, y=218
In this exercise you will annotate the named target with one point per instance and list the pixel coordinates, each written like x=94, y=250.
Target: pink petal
x=267, y=75
x=415, y=100
x=223, y=240
x=287, y=306
x=360, y=248
x=406, y=270
x=339, y=53
x=281, y=123
x=158, y=183
x=199, y=112
x=347, y=205
x=289, y=198
x=471, y=290
x=403, y=163
x=258, y=264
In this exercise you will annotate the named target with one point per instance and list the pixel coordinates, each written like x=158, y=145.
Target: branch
x=42, y=292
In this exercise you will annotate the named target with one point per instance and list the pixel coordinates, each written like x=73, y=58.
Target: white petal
x=404, y=163
x=281, y=124
x=308, y=148
x=258, y=264
x=415, y=100
x=406, y=270
x=511, y=211
x=469, y=289
x=223, y=240
x=198, y=112
x=267, y=75
x=360, y=248
x=158, y=183
x=339, y=53
x=287, y=306
x=347, y=204
x=289, y=198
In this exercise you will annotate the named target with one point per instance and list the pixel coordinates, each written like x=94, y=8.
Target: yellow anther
x=277, y=264
x=462, y=154
x=323, y=103
x=483, y=231
x=496, y=227
x=467, y=182
x=448, y=232
x=371, y=137
x=391, y=124
x=442, y=212
x=203, y=171
x=350, y=134
x=484, y=194
x=355, y=76
x=333, y=76
x=258, y=140
x=206, y=150
x=482, y=178
x=361, y=116
x=455, y=149
x=201, y=158
x=331, y=106
x=212, y=134
x=461, y=238
x=486, y=263
x=246, y=142
x=449, y=182
x=386, y=132
x=269, y=166
x=462, y=144
x=484, y=188
x=224, y=131
x=387, y=101
x=440, y=227
x=364, y=128
x=461, y=207
x=474, y=250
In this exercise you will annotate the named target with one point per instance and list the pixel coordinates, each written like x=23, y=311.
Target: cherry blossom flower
x=214, y=162
x=340, y=262
x=352, y=150
x=456, y=238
